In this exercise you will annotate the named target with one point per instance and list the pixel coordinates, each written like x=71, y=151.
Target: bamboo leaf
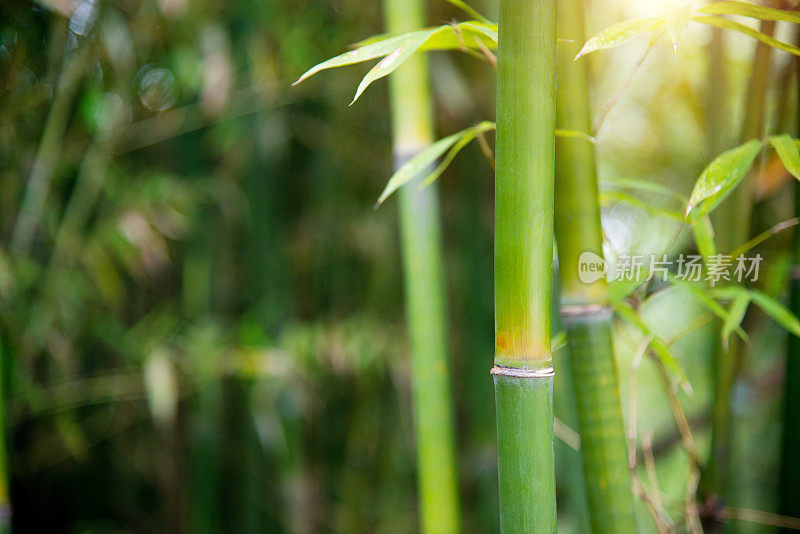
x=720, y=178
x=609, y=197
x=489, y=30
x=722, y=22
x=677, y=22
x=619, y=290
x=787, y=150
x=393, y=60
x=735, y=315
x=746, y=9
x=763, y=236
x=456, y=148
x=425, y=159
x=385, y=44
x=468, y=9
x=777, y=311
x=704, y=237
x=620, y=33
x=658, y=345
x=641, y=185
x=702, y=295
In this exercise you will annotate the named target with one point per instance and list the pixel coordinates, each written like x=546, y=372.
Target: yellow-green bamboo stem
x=587, y=318
x=523, y=264
x=412, y=129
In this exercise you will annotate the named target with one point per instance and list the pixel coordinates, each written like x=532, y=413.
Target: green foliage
x=420, y=165
x=677, y=20
x=720, y=178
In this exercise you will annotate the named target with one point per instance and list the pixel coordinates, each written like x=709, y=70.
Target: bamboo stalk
x=5, y=498
x=733, y=221
x=587, y=318
x=790, y=461
x=412, y=129
x=523, y=372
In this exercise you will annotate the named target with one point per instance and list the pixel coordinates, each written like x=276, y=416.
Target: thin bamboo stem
x=524, y=174
x=412, y=127
x=586, y=317
x=5, y=497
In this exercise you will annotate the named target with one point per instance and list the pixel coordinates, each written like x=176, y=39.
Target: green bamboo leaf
x=777, y=311
x=704, y=237
x=720, y=178
x=456, y=148
x=735, y=315
x=468, y=9
x=425, y=159
x=722, y=22
x=746, y=9
x=787, y=150
x=763, y=236
x=393, y=60
x=610, y=197
x=382, y=46
x=575, y=134
x=703, y=295
x=488, y=29
x=641, y=185
x=621, y=33
x=677, y=22
x=658, y=345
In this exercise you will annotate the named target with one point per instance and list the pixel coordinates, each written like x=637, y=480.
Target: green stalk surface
x=587, y=318
x=412, y=128
x=790, y=459
x=524, y=179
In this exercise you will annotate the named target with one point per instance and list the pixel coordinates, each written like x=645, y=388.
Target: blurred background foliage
x=201, y=314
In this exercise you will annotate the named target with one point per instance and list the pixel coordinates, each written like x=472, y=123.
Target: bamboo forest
x=399, y=266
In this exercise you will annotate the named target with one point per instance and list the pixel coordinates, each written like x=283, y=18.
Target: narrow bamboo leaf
x=677, y=22
x=372, y=50
x=787, y=150
x=777, y=311
x=735, y=315
x=720, y=178
x=763, y=236
x=641, y=185
x=448, y=37
x=489, y=30
x=704, y=237
x=575, y=134
x=468, y=9
x=426, y=158
x=620, y=33
x=722, y=22
x=610, y=197
x=746, y=9
x=390, y=62
x=702, y=295
x=471, y=134
x=658, y=345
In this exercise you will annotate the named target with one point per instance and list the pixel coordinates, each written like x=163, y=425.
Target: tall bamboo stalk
x=523, y=371
x=587, y=317
x=5, y=498
x=790, y=460
x=732, y=223
x=412, y=128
